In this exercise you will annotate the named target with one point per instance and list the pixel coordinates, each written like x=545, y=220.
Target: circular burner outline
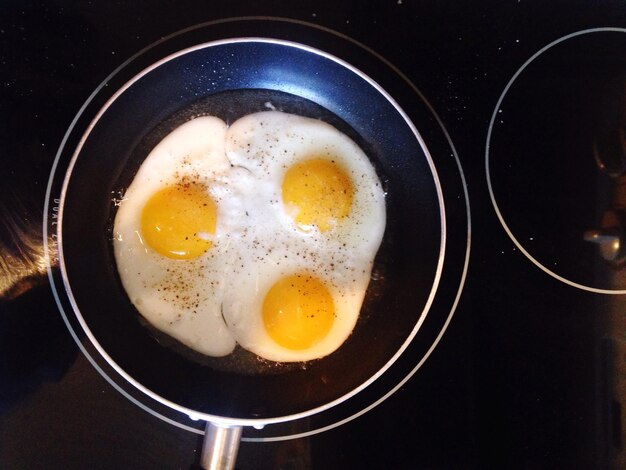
x=49, y=246
x=488, y=174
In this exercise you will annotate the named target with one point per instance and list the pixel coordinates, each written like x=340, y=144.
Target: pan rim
x=224, y=420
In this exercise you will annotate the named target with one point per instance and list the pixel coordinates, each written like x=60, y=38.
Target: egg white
x=215, y=301
x=346, y=282
x=180, y=297
x=267, y=144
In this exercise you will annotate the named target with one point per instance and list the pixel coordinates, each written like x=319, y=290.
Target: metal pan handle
x=220, y=446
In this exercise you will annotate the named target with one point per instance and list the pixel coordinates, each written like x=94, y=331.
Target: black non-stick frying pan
x=230, y=78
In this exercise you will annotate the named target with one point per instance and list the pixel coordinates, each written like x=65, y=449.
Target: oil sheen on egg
x=316, y=222
x=171, y=236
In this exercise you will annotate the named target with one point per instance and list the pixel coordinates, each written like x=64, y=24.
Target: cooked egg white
x=172, y=270
x=262, y=234
x=318, y=213
x=314, y=180
x=295, y=308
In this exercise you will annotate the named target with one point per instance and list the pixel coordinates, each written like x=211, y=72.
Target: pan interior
x=229, y=81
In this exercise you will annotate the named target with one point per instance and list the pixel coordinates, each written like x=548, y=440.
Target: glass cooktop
x=523, y=103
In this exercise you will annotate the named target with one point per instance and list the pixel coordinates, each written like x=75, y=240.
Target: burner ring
x=545, y=239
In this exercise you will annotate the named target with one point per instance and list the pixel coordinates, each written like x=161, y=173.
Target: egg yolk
x=298, y=311
x=320, y=190
x=177, y=221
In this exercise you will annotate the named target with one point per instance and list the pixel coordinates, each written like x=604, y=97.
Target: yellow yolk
x=298, y=311
x=320, y=190
x=177, y=221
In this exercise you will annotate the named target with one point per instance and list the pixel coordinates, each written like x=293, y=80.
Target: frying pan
x=230, y=78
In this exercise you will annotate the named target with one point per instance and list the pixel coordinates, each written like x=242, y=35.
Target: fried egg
x=319, y=218
x=295, y=308
x=311, y=179
x=262, y=234
x=171, y=236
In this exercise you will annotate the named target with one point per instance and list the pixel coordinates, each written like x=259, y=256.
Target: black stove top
x=531, y=370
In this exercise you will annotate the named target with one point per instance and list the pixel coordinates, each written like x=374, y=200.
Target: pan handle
x=220, y=446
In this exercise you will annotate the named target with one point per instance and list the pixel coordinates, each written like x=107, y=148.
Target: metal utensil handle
x=220, y=446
